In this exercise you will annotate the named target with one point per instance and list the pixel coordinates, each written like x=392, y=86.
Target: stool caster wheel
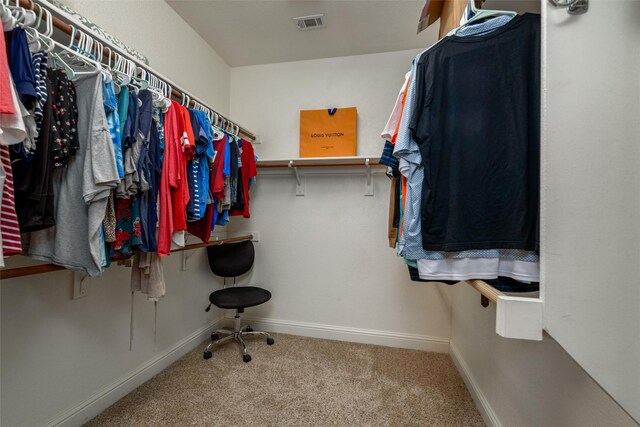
x=207, y=355
x=246, y=358
x=215, y=337
x=249, y=329
x=270, y=341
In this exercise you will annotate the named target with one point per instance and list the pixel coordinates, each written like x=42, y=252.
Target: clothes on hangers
x=81, y=189
x=247, y=172
x=502, y=144
x=123, y=175
x=434, y=265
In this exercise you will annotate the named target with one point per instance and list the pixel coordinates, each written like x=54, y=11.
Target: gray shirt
x=81, y=189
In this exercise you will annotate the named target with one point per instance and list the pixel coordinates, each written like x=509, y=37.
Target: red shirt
x=249, y=170
x=6, y=100
x=186, y=134
x=218, y=165
x=174, y=189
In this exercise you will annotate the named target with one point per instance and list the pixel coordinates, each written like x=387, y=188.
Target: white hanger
x=156, y=89
x=106, y=68
x=46, y=37
x=33, y=36
x=122, y=77
x=70, y=57
x=8, y=21
x=218, y=134
x=480, y=14
x=167, y=96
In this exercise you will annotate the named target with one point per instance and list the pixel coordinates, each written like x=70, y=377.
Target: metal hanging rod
x=111, y=51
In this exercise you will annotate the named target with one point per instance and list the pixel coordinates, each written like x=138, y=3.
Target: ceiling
x=251, y=32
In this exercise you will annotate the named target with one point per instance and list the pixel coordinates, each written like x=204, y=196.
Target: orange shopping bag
x=328, y=133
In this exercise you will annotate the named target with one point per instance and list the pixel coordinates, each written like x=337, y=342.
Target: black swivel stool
x=233, y=260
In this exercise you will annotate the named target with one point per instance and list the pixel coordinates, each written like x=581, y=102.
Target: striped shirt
x=9, y=227
x=40, y=60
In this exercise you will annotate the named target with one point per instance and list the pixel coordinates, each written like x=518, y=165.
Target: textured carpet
x=301, y=382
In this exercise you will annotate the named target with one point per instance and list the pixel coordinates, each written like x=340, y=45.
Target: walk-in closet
x=319, y=213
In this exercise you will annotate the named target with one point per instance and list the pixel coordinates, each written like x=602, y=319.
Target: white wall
x=58, y=353
x=591, y=238
x=268, y=98
x=325, y=255
x=525, y=383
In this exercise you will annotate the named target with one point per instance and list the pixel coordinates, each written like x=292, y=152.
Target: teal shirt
x=123, y=107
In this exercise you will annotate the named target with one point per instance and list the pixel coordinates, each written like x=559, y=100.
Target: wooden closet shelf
x=46, y=268
x=315, y=162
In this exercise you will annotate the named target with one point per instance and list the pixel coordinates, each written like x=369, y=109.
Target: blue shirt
x=21, y=67
x=110, y=108
x=198, y=166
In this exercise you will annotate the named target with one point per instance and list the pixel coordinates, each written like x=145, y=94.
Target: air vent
x=310, y=22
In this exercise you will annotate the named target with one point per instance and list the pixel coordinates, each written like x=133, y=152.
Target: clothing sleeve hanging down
x=396, y=113
x=477, y=125
x=147, y=276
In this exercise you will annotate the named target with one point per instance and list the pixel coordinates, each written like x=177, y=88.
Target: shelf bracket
x=368, y=191
x=300, y=180
x=519, y=317
x=185, y=260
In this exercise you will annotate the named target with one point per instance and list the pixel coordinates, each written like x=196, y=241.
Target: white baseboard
x=482, y=403
x=341, y=333
x=108, y=395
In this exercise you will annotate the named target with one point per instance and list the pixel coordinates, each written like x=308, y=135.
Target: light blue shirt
x=113, y=121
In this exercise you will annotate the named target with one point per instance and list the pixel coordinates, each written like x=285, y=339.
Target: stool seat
x=239, y=297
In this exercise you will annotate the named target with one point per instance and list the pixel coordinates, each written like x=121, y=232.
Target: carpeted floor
x=301, y=382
